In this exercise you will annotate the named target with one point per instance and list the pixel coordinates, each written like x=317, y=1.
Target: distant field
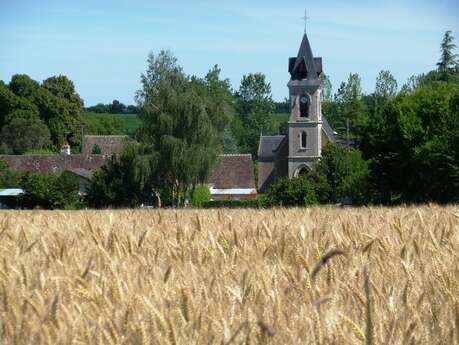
x=132, y=122
x=102, y=123
x=278, y=119
x=279, y=276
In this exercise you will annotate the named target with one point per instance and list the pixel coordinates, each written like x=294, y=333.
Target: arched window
x=304, y=139
x=301, y=171
x=304, y=106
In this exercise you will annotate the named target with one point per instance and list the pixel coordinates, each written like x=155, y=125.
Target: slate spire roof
x=305, y=65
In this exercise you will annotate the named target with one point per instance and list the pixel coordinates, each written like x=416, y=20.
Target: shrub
x=49, y=192
x=96, y=150
x=21, y=135
x=252, y=203
x=201, y=195
x=298, y=191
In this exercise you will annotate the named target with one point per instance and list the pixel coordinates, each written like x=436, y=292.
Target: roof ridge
x=236, y=155
x=108, y=135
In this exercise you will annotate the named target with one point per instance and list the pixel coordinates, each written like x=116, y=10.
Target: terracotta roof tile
x=52, y=164
x=233, y=171
x=108, y=144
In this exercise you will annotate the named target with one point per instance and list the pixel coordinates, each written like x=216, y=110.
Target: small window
x=304, y=140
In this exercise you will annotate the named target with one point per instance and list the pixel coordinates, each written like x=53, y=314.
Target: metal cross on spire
x=305, y=18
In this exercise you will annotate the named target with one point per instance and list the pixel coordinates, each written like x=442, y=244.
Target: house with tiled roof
x=232, y=178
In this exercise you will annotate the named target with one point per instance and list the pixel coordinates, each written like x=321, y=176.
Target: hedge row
x=254, y=203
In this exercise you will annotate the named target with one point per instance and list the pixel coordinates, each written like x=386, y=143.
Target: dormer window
x=304, y=106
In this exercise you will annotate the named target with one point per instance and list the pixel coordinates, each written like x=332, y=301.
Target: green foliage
x=229, y=142
x=200, y=195
x=116, y=107
x=23, y=86
x=254, y=106
x=8, y=178
x=124, y=181
x=340, y=173
x=282, y=107
x=13, y=106
x=49, y=192
x=279, y=123
x=62, y=87
x=104, y=124
x=298, y=191
x=448, y=60
x=251, y=203
x=348, y=106
x=96, y=150
x=327, y=89
x=413, y=147
x=54, y=102
x=386, y=85
x=21, y=135
x=183, y=121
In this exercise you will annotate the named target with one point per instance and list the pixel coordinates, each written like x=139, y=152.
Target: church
x=293, y=154
x=233, y=178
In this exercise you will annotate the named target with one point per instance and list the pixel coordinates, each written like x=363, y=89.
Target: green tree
x=413, y=152
x=49, y=192
x=62, y=87
x=200, y=195
x=124, y=181
x=298, y=191
x=349, y=106
x=181, y=122
x=254, y=108
x=448, y=60
x=13, y=106
x=340, y=173
x=229, y=142
x=8, y=178
x=327, y=89
x=61, y=106
x=117, y=107
x=21, y=135
x=96, y=150
x=386, y=85
x=23, y=86
x=411, y=84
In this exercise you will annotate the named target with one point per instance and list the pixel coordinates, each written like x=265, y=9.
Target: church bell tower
x=305, y=122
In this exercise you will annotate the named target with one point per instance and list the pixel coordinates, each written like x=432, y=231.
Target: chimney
x=65, y=149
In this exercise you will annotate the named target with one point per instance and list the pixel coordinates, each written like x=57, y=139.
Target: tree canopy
x=183, y=122
x=53, y=103
x=254, y=108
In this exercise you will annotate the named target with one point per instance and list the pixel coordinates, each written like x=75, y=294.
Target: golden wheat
x=281, y=276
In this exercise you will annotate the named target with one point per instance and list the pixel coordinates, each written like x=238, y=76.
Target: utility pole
x=347, y=146
x=347, y=199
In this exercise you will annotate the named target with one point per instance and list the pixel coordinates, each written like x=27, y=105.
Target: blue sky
x=103, y=45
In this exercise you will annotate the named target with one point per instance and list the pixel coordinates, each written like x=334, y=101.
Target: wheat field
x=280, y=276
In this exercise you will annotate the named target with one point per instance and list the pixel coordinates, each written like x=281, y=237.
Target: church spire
x=305, y=66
